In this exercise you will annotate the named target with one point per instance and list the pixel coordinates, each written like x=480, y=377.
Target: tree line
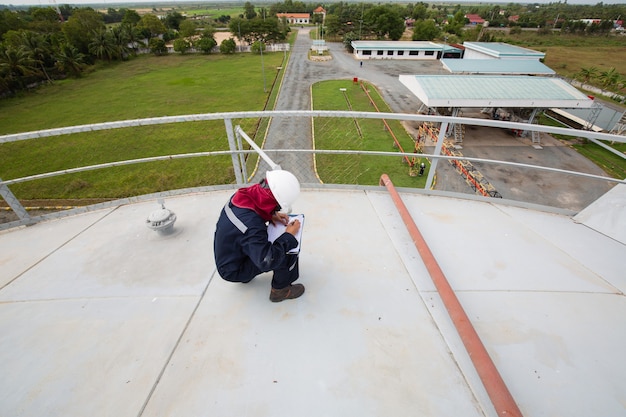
x=41, y=44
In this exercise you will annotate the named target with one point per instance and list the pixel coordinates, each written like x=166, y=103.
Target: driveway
x=295, y=94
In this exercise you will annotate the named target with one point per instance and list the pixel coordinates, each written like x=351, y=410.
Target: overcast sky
x=116, y=3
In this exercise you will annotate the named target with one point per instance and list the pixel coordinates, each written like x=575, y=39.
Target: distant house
x=514, y=18
x=295, y=18
x=320, y=10
x=475, y=19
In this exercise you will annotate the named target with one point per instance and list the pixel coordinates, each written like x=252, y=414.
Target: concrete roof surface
x=101, y=316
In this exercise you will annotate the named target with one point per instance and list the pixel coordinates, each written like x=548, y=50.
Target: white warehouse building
x=403, y=50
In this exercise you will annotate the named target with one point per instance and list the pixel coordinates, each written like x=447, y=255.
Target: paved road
x=301, y=73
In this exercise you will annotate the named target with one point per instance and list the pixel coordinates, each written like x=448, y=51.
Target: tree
x=151, y=26
x=206, y=43
x=333, y=25
x=101, y=45
x=69, y=60
x=420, y=11
x=587, y=74
x=257, y=47
x=228, y=46
x=266, y=30
x=173, y=20
x=456, y=24
x=385, y=22
x=121, y=38
x=39, y=50
x=44, y=20
x=131, y=17
x=181, y=45
x=10, y=21
x=610, y=77
x=249, y=12
x=157, y=46
x=132, y=35
x=425, y=30
x=15, y=67
x=81, y=26
x=187, y=28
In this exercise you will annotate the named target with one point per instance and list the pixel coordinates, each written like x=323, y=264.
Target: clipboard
x=275, y=230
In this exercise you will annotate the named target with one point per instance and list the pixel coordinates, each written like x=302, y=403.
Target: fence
x=322, y=147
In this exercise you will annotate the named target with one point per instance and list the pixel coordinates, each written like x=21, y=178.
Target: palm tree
x=120, y=40
x=69, y=60
x=587, y=73
x=39, y=49
x=15, y=66
x=133, y=37
x=610, y=77
x=102, y=45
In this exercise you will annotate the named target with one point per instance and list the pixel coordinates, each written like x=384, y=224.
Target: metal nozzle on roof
x=161, y=220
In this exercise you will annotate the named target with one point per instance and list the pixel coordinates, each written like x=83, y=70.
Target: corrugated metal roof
x=502, y=50
x=496, y=66
x=494, y=91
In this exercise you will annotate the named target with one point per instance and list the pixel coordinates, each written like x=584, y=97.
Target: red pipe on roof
x=497, y=390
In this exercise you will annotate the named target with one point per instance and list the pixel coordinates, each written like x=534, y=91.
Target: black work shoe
x=292, y=291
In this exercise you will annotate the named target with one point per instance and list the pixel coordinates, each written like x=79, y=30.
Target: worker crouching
x=241, y=247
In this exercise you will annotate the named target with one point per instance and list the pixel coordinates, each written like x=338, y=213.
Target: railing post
x=242, y=157
x=236, y=158
x=263, y=155
x=433, y=164
x=13, y=202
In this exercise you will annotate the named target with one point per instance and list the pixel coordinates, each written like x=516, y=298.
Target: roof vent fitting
x=161, y=220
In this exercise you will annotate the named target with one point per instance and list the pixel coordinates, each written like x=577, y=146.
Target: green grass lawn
x=361, y=134
x=171, y=85
x=147, y=86
x=612, y=164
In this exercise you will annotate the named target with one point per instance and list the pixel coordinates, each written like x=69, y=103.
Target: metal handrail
x=237, y=152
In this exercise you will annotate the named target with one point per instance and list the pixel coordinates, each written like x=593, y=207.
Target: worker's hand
x=278, y=217
x=293, y=227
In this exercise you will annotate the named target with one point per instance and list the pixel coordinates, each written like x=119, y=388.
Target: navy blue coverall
x=242, y=250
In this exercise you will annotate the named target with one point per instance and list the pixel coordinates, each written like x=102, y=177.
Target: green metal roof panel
x=502, y=50
x=494, y=91
x=496, y=66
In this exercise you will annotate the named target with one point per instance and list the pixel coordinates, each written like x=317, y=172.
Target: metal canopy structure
x=499, y=66
x=494, y=91
x=499, y=50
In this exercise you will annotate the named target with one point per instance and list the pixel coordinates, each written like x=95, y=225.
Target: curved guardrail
x=236, y=150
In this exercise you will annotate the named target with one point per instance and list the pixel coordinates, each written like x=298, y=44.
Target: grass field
x=214, y=13
x=567, y=54
x=151, y=86
x=144, y=87
x=362, y=134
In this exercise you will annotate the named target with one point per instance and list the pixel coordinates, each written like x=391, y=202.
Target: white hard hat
x=284, y=186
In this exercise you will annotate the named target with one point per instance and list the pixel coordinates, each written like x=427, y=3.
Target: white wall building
x=295, y=18
x=403, y=50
